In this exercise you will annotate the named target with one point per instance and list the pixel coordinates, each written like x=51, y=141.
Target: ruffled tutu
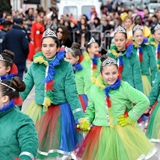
x=153, y=130
x=118, y=143
x=146, y=81
x=56, y=130
x=84, y=101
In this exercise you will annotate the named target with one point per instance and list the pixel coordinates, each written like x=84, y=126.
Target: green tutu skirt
x=153, y=130
x=117, y=143
x=146, y=81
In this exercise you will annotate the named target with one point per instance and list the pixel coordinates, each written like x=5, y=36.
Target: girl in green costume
x=155, y=42
x=83, y=80
x=18, y=134
x=127, y=60
x=115, y=135
x=146, y=58
x=153, y=130
x=56, y=107
x=91, y=60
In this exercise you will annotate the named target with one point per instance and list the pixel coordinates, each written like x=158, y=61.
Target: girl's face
x=156, y=35
x=120, y=41
x=94, y=48
x=3, y=69
x=49, y=47
x=138, y=36
x=128, y=23
x=71, y=59
x=110, y=74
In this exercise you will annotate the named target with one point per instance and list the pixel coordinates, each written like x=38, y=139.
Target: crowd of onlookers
x=68, y=29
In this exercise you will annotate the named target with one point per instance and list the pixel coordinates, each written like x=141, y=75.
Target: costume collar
x=77, y=67
x=153, y=42
x=9, y=77
x=145, y=42
x=127, y=52
x=6, y=108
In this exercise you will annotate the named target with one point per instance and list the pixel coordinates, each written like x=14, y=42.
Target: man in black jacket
x=16, y=40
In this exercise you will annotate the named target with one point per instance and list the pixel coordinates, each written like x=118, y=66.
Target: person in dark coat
x=16, y=41
x=7, y=25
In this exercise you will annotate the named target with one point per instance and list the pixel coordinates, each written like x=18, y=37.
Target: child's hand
x=123, y=121
x=83, y=124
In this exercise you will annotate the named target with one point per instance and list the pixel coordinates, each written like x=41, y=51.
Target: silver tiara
x=49, y=33
x=109, y=61
x=119, y=29
x=13, y=89
x=92, y=40
x=137, y=27
x=157, y=27
x=69, y=50
x=2, y=59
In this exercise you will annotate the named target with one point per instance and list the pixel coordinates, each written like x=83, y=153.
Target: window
x=71, y=9
x=86, y=10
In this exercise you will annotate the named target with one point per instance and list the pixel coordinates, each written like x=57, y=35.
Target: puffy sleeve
x=71, y=93
x=154, y=93
x=138, y=98
x=29, y=81
x=137, y=79
x=152, y=61
x=90, y=110
x=27, y=137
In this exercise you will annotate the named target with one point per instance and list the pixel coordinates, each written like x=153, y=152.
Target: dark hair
x=54, y=38
x=137, y=18
x=65, y=34
x=8, y=56
x=76, y=48
x=103, y=58
x=16, y=84
x=88, y=45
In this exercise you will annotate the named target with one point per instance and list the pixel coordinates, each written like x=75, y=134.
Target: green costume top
x=61, y=89
x=122, y=100
x=131, y=67
x=156, y=48
x=92, y=66
x=83, y=80
x=154, y=95
x=147, y=58
x=18, y=135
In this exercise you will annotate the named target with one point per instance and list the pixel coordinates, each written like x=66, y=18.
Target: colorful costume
x=153, y=130
x=156, y=48
x=129, y=66
x=18, y=135
x=147, y=63
x=56, y=105
x=83, y=84
x=107, y=140
x=92, y=65
x=37, y=30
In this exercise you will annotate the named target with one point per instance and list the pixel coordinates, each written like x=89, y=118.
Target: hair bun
x=75, y=45
x=19, y=84
x=7, y=53
x=104, y=57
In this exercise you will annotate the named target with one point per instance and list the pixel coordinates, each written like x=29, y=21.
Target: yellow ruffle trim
x=114, y=52
x=100, y=82
x=47, y=102
x=154, y=44
x=40, y=60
